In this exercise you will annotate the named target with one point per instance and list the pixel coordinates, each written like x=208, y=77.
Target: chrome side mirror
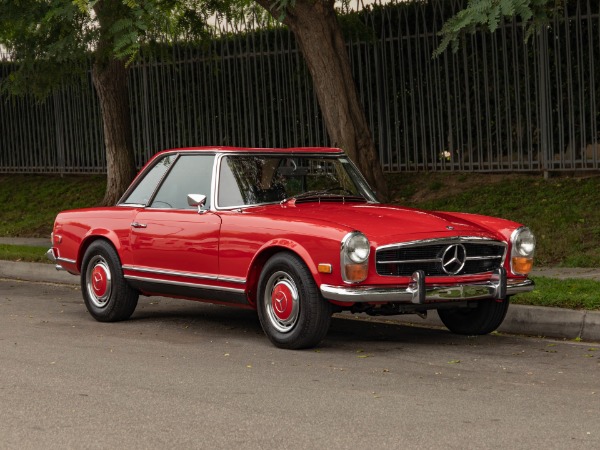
x=198, y=200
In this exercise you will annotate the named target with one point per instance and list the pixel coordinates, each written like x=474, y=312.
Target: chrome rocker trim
x=181, y=283
x=498, y=287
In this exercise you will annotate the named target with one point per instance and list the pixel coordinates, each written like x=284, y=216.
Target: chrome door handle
x=138, y=225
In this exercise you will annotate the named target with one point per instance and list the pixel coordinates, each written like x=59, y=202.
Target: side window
x=146, y=187
x=192, y=174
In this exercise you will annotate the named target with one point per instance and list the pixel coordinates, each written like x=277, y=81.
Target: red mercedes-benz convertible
x=296, y=234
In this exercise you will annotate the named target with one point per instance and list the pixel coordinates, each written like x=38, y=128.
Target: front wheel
x=484, y=318
x=106, y=293
x=290, y=307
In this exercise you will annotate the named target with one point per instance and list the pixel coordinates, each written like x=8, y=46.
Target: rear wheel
x=107, y=295
x=290, y=307
x=484, y=318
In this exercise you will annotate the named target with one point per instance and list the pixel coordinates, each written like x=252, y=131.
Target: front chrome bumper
x=498, y=287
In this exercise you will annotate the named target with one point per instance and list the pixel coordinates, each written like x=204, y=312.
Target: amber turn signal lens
x=356, y=272
x=325, y=268
x=521, y=265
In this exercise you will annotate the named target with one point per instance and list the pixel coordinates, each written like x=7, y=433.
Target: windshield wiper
x=323, y=193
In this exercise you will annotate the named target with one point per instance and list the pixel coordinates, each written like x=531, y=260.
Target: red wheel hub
x=282, y=300
x=99, y=281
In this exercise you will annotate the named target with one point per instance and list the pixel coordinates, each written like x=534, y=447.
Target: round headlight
x=357, y=248
x=524, y=243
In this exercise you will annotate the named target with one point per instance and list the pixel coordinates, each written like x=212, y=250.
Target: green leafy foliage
x=49, y=39
x=53, y=41
x=279, y=8
x=488, y=14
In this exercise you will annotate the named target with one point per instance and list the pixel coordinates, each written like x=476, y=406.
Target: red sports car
x=296, y=234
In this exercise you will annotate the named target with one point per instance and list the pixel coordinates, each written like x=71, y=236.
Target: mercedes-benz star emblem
x=280, y=302
x=454, y=258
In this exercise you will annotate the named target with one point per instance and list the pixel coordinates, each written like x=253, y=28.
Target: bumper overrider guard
x=52, y=257
x=498, y=287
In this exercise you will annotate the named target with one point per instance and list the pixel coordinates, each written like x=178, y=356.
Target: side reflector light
x=325, y=268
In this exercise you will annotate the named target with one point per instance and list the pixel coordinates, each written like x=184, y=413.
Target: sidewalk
x=527, y=320
x=29, y=242
x=562, y=273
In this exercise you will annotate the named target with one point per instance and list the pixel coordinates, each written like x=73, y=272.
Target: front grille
x=480, y=256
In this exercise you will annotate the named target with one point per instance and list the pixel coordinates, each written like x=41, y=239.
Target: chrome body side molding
x=174, y=273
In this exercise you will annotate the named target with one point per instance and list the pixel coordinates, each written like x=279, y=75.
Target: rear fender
x=94, y=235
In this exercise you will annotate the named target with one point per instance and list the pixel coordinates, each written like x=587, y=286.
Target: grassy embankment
x=30, y=203
x=563, y=212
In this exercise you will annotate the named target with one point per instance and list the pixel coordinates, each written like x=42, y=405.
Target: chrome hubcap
x=281, y=301
x=98, y=281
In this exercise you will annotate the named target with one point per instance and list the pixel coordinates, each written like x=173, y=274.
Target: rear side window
x=143, y=191
x=191, y=174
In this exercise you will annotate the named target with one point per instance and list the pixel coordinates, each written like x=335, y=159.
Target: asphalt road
x=187, y=375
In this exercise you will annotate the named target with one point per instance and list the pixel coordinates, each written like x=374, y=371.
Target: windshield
x=258, y=179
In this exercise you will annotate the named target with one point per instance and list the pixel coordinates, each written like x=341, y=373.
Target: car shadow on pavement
x=236, y=323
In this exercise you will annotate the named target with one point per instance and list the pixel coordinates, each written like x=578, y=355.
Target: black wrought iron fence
x=498, y=104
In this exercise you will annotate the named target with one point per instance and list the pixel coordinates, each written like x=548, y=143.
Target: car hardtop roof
x=291, y=150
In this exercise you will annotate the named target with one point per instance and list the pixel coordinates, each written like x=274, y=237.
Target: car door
x=172, y=241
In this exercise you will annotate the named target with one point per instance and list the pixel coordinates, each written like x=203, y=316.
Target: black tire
x=107, y=295
x=290, y=307
x=486, y=317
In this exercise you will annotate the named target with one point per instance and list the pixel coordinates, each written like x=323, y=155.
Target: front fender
x=269, y=249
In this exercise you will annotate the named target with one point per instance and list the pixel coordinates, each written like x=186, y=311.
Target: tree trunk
x=317, y=31
x=110, y=80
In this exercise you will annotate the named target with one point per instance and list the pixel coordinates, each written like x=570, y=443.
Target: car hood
x=382, y=224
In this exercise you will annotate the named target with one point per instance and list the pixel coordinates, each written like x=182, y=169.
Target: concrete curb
x=28, y=271
x=532, y=321
x=527, y=320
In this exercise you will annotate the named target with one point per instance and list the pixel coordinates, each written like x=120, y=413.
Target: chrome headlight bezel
x=355, y=251
x=357, y=247
x=522, y=247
